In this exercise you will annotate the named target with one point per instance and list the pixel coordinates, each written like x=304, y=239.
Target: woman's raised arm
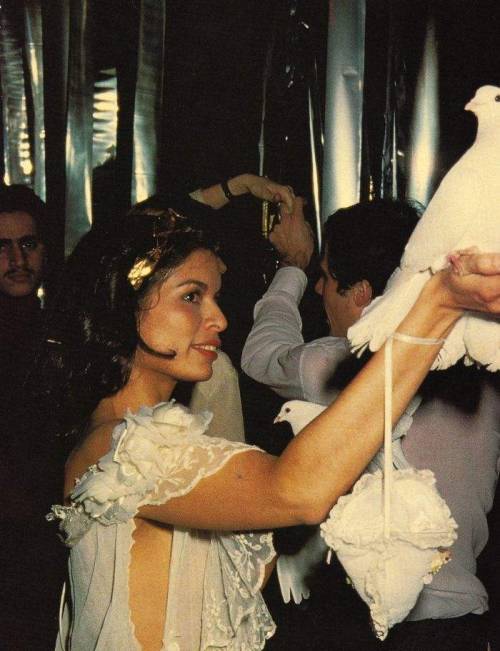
x=218, y=195
x=254, y=490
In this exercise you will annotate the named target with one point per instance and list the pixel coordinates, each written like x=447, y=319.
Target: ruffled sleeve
x=156, y=454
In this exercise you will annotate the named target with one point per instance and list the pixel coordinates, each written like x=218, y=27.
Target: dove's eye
x=497, y=98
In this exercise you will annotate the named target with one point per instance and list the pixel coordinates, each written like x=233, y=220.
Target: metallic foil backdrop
x=104, y=104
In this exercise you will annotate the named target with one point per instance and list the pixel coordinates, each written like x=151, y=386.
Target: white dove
x=293, y=569
x=464, y=212
x=299, y=413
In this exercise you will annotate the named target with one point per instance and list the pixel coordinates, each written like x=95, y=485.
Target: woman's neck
x=143, y=389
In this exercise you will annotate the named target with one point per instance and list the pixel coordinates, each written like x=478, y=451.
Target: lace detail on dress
x=236, y=616
x=156, y=454
x=73, y=523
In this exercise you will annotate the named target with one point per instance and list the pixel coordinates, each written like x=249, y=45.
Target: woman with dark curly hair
x=154, y=561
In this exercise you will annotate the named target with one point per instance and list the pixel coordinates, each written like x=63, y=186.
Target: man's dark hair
x=21, y=198
x=366, y=241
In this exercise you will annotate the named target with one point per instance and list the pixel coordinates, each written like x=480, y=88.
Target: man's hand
x=293, y=237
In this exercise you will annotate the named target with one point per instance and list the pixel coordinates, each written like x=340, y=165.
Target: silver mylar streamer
x=79, y=126
x=424, y=138
x=34, y=57
x=265, y=81
x=105, y=115
x=314, y=168
x=16, y=145
x=317, y=144
x=344, y=105
x=389, y=157
x=148, y=98
x=266, y=217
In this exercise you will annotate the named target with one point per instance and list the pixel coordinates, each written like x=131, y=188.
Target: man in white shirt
x=459, y=442
x=363, y=247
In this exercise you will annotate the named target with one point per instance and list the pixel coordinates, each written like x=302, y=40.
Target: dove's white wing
x=453, y=348
x=482, y=340
x=451, y=221
x=293, y=570
x=385, y=313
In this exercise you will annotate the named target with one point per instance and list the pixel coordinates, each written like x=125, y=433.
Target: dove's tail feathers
x=294, y=571
x=482, y=341
x=386, y=312
x=453, y=348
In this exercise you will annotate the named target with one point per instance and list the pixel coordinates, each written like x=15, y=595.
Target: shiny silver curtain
x=411, y=115
x=292, y=106
x=344, y=105
x=79, y=129
x=317, y=143
x=105, y=117
x=335, y=151
x=34, y=58
x=391, y=155
x=424, y=143
x=148, y=98
x=18, y=165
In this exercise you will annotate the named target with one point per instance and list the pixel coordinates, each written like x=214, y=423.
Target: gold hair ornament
x=145, y=265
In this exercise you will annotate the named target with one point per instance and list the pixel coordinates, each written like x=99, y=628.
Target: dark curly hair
x=21, y=198
x=366, y=241
x=91, y=330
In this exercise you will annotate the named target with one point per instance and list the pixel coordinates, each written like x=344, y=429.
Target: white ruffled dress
x=214, y=599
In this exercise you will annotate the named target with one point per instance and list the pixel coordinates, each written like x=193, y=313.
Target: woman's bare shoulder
x=95, y=445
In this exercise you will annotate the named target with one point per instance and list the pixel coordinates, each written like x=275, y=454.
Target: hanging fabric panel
x=16, y=144
x=344, y=105
x=34, y=57
x=395, y=91
x=148, y=98
x=79, y=126
x=105, y=111
x=424, y=136
x=314, y=126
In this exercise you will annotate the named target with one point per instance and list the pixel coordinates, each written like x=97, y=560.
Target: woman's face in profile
x=182, y=316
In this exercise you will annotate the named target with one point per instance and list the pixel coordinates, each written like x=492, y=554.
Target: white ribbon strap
x=388, y=462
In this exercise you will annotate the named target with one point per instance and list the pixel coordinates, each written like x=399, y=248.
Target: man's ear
x=362, y=293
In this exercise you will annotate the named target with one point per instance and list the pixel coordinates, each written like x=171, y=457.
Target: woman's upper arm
x=160, y=464
x=240, y=495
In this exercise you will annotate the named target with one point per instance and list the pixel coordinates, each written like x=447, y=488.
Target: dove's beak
x=472, y=105
x=277, y=420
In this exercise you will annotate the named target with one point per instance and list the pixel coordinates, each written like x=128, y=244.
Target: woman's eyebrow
x=193, y=281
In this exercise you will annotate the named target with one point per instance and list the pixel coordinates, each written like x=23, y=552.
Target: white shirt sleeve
x=275, y=352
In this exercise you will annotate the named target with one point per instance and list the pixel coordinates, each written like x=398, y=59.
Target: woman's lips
x=208, y=350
